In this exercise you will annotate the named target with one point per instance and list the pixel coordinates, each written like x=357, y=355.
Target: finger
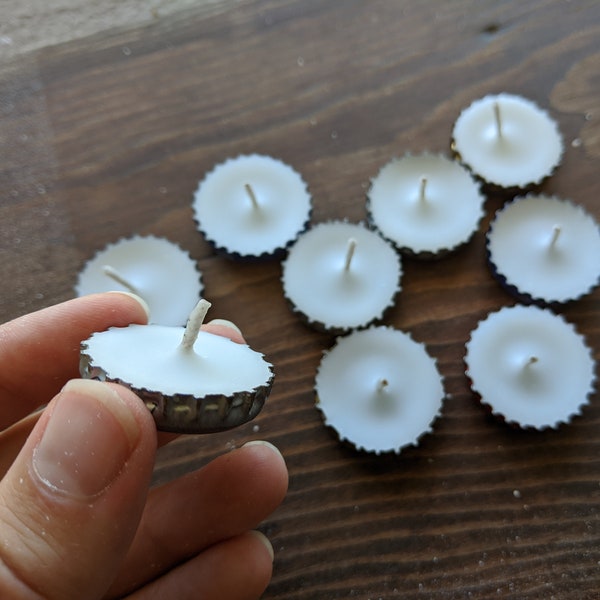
x=71, y=502
x=39, y=352
x=237, y=569
x=226, y=329
x=14, y=437
x=226, y=498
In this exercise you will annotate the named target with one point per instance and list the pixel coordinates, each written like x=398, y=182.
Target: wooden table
x=108, y=136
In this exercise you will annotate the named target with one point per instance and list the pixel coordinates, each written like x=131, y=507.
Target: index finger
x=39, y=352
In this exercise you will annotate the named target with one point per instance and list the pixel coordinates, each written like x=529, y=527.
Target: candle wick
x=119, y=278
x=498, y=119
x=556, y=231
x=384, y=401
x=195, y=320
x=531, y=361
x=349, y=253
x=382, y=385
x=422, y=188
x=250, y=191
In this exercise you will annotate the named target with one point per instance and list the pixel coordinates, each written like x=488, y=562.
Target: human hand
x=78, y=519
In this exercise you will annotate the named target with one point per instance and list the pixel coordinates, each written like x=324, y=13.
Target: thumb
x=71, y=502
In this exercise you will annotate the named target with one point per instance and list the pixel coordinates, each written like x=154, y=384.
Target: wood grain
x=108, y=137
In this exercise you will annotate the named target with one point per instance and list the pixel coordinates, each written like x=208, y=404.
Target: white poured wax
x=546, y=247
x=425, y=203
x=530, y=366
x=379, y=389
x=507, y=140
x=341, y=275
x=252, y=206
x=157, y=359
x=154, y=268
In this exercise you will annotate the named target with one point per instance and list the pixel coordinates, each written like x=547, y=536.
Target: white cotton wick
x=349, y=253
x=423, y=191
x=194, y=323
x=384, y=402
x=498, y=119
x=382, y=385
x=532, y=360
x=556, y=231
x=120, y=279
x=252, y=195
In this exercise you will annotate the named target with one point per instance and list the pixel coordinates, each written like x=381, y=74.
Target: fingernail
x=87, y=441
x=264, y=444
x=225, y=323
x=135, y=297
x=265, y=541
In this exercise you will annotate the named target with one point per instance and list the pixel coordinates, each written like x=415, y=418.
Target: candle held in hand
x=191, y=380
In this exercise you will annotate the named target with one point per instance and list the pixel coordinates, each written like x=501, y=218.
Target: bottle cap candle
x=379, y=389
x=154, y=268
x=252, y=207
x=192, y=381
x=544, y=249
x=427, y=205
x=530, y=366
x=340, y=276
x=508, y=141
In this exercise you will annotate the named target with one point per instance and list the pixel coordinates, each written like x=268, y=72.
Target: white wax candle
x=546, y=248
x=508, y=141
x=192, y=381
x=154, y=268
x=252, y=206
x=426, y=204
x=379, y=389
x=341, y=275
x=530, y=366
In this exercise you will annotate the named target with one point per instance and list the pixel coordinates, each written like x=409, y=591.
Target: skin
x=77, y=516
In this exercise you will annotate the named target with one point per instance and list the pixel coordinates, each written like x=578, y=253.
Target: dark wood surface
x=108, y=136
